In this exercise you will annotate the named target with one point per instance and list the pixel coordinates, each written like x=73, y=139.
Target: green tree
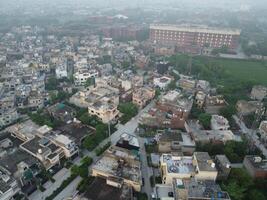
x=89, y=82
x=129, y=110
x=204, y=119
x=51, y=83
x=235, y=191
x=172, y=85
x=256, y=195
x=228, y=111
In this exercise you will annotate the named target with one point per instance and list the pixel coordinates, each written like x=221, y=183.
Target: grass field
x=239, y=70
x=244, y=70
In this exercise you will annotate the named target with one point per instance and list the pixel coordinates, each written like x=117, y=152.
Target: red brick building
x=194, y=36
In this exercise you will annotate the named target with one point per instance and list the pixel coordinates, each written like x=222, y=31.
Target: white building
x=162, y=82
x=219, y=123
x=82, y=75
x=8, y=186
x=61, y=70
x=199, y=166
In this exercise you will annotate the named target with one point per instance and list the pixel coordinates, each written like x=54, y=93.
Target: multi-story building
x=188, y=36
x=172, y=140
x=142, y=95
x=218, y=122
x=8, y=185
x=223, y=166
x=101, y=101
x=258, y=92
x=170, y=111
x=119, y=166
x=82, y=75
x=256, y=166
x=213, y=104
x=162, y=82
x=193, y=189
x=199, y=166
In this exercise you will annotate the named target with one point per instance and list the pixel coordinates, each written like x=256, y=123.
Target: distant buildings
x=188, y=36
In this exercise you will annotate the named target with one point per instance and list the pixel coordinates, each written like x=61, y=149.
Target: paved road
x=147, y=171
x=50, y=187
x=251, y=134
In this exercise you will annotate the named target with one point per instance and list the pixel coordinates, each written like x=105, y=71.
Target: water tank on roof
x=40, y=151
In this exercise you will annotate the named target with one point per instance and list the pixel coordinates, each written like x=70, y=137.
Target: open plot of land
x=244, y=70
x=225, y=69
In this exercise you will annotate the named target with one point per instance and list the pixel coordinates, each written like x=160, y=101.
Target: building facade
x=201, y=36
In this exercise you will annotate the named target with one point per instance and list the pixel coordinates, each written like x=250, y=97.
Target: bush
x=204, y=119
x=129, y=110
x=101, y=150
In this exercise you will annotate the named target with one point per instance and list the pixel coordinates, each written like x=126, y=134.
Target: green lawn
x=244, y=70
x=221, y=70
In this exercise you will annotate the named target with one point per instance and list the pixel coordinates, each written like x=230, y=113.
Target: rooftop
x=257, y=162
x=77, y=130
x=200, y=189
x=119, y=162
x=195, y=28
x=204, y=161
x=99, y=190
x=177, y=164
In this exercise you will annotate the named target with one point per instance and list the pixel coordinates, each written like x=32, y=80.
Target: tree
x=204, y=119
x=235, y=191
x=172, y=85
x=90, y=81
x=228, y=111
x=51, y=84
x=256, y=195
x=129, y=110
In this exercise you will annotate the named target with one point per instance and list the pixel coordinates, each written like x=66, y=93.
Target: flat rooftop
x=201, y=189
x=78, y=131
x=99, y=190
x=204, y=161
x=178, y=164
x=194, y=28
x=119, y=162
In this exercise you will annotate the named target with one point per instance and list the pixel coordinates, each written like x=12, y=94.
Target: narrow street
x=251, y=134
x=147, y=171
